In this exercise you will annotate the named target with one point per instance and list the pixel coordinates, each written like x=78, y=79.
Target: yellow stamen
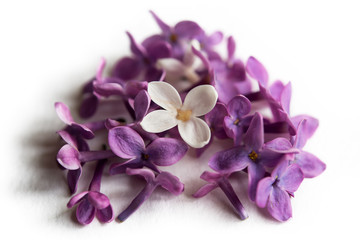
x=173, y=38
x=183, y=115
x=236, y=121
x=253, y=155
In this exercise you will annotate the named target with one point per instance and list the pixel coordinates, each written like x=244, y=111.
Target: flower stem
x=96, y=181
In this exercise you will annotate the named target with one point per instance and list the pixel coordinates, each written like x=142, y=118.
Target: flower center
x=173, y=38
x=253, y=156
x=145, y=156
x=183, y=115
x=236, y=122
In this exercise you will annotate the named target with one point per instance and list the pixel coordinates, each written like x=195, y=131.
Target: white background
x=48, y=49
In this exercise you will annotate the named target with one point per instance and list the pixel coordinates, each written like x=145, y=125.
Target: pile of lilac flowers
x=181, y=93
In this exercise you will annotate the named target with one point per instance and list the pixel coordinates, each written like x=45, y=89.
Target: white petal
x=171, y=66
x=159, y=121
x=195, y=132
x=200, y=100
x=164, y=95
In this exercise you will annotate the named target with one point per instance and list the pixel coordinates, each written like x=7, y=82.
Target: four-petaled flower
x=199, y=101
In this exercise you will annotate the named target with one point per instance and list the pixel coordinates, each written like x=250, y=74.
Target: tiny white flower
x=199, y=101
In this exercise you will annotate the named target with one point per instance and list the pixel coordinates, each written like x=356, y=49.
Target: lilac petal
x=133, y=87
x=100, y=71
x=166, y=151
x=211, y=176
x=279, y=205
x=109, y=89
x=231, y=160
x=237, y=73
x=84, y=131
x=163, y=26
x=68, y=138
x=280, y=145
x=85, y=212
x=231, y=47
x=141, y=105
x=257, y=71
x=76, y=199
x=204, y=190
x=291, y=179
x=310, y=165
x=225, y=90
x=254, y=136
x=73, y=177
x=170, y=183
x=64, y=113
x=239, y=106
x=305, y=129
x=234, y=131
x=270, y=158
x=125, y=142
x=88, y=106
x=127, y=68
x=276, y=89
x=158, y=49
x=119, y=168
x=263, y=191
x=187, y=29
x=215, y=38
x=68, y=157
x=105, y=215
x=215, y=120
x=203, y=59
x=98, y=200
x=255, y=173
x=136, y=48
x=147, y=174
x=286, y=97
x=151, y=39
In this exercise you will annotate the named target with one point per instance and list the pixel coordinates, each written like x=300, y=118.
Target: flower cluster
x=179, y=92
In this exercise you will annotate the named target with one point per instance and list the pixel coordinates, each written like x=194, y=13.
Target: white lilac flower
x=199, y=101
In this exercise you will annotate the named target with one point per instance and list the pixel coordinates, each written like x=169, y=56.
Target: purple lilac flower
x=208, y=42
x=144, y=60
x=238, y=107
x=274, y=192
x=92, y=202
x=164, y=179
x=128, y=144
x=310, y=165
x=254, y=154
x=221, y=180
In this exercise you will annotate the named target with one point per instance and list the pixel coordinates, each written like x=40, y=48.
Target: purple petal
x=132, y=88
x=166, y=151
x=257, y=71
x=105, y=215
x=231, y=160
x=255, y=173
x=276, y=89
x=125, y=142
x=170, y=183
x=147, y=174
x=291, y=179
x=215, y=38
x=141, y=105
x=64, y=113
x=263, y=191
x=88, y=106
x=239, y=106
x=136, y=48
x=84, y=131
x=305, y=129
x=254, y=136
x=211, y=176
x=231, y=48
x=187, y=29
x=279, y=205
x=73, y=177
x=85, y=212
x=109, y=89
x=310, y=165
x=158, y=49
x=68, y=138
x=215, y=120
x=98, y=200
x=225, y=90
x=127, y=68
x=280, y=145
x=163, y=26
x=119, y=168
x=76, y=199
x=68, y=157
x=204, y=190
x=286, y=97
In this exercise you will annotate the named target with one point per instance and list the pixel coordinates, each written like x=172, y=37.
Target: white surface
x=49, y=49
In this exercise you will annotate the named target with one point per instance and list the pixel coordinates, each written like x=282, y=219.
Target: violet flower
x=92, y=202
x=144, y=60
x=221, y=180
x=128, y=144
x=274, y=192
x=238, y=107
x=164, y=179
x=310, y=165
x=255, y=155
x=178, y=36
x=199, y=101
x=207, y=43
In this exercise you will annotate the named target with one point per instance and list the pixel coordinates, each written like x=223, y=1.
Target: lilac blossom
x=274, y=192
x=92, y=202
x=221, y=180
x=254, y=155
x=164, y=179
x=128, y=144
